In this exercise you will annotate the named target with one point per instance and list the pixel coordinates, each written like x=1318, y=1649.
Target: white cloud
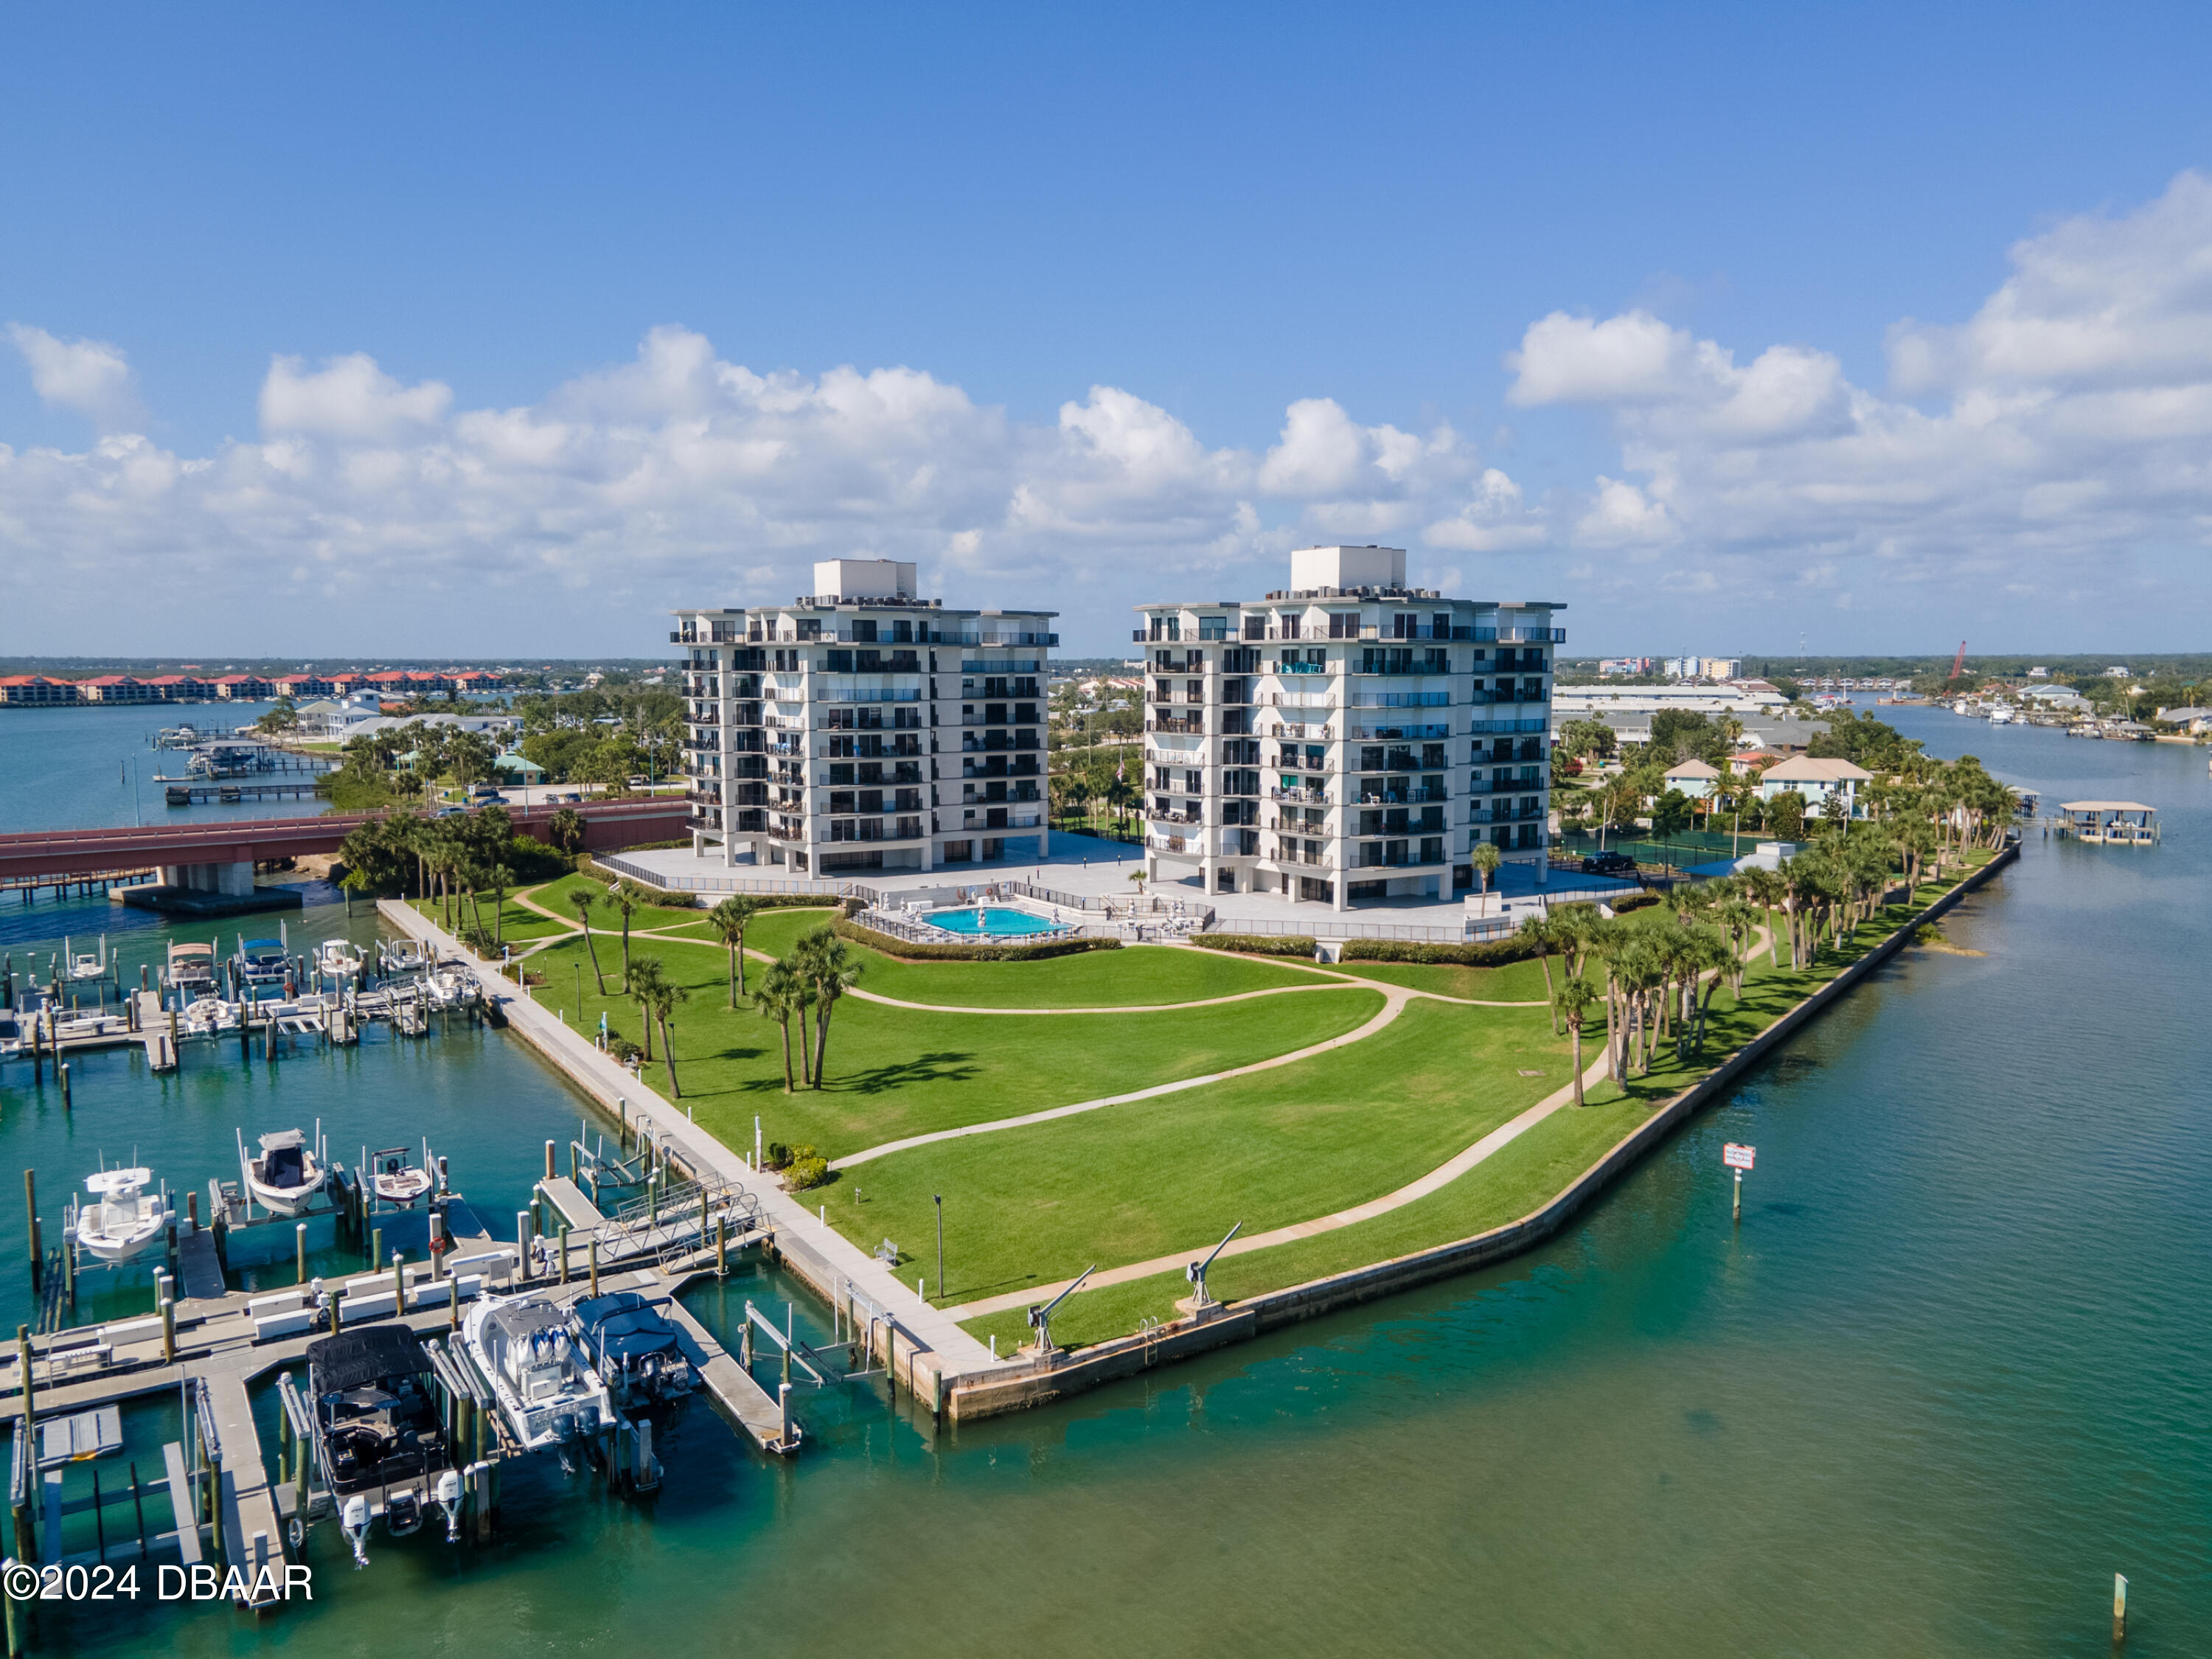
x=348, y=397
x=2068, y=420
x=680, y=477
x=89, y=377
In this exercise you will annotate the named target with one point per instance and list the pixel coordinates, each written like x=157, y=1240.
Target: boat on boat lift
x=125, y=1221
x=395, y=1178
x=340, y=959
x=191, y=971
x=523, y=1349
x=264, y=962
x=452, y=988
x=85, y=964
x=379, y=1439
x=290, y=1174
x=401, y=956
x=638, y=1354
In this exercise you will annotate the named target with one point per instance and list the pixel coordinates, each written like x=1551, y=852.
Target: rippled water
x=67, y=769
x=1946, y=1379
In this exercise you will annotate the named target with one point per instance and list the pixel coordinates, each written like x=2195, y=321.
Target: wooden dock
x=736, y=1397
x=252, y=1533
x=578, y=1211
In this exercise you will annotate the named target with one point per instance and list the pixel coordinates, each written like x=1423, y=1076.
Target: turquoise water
x=1946, y=1379
x=998, y=924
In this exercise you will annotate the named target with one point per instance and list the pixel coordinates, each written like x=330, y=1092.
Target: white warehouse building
x=1348, y=737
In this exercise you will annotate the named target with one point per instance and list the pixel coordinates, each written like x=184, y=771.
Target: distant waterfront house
x=1695, y=778
x=297, y=686
x=181, y=688
x=243, y=688
x=36, y=691
x=1816, y=780
x=2195, y=721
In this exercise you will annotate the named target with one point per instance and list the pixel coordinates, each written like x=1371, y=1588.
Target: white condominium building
x=863, y=728
x=1346, y=739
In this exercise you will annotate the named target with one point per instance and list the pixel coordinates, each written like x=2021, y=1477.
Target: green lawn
x=554, y=896
x=517, y=926
x=1511, y=1183
x=1028, y=1207
x=899, y=1072
x=1517, y=981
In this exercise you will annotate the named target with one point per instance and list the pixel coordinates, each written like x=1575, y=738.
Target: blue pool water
x=999, y=924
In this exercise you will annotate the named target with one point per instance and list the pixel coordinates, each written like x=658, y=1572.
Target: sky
x=503, y=330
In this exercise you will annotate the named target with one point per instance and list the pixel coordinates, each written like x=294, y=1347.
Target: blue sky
x=608, y=263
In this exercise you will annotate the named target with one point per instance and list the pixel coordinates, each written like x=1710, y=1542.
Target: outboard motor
x=448, y=1499
x=353, y=1518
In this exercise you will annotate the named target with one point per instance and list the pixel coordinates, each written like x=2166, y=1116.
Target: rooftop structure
x=1348, y=737
x=863, y=727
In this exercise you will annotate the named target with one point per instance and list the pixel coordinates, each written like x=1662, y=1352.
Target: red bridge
x=49, y=852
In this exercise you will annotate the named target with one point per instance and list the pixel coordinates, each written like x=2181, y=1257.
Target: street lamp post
x=938, y=1199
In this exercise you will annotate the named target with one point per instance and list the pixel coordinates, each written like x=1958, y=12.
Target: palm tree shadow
x=922, y=1068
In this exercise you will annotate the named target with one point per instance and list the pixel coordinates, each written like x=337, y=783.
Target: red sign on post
x=1737, y=1158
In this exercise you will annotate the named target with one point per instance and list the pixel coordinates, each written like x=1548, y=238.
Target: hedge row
x=1259, y=945
x=1495, y=954
x=907, y=950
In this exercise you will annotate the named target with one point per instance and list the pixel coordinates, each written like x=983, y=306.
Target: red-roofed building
x=26, y=691
x=243, y=688
x=297, y=686
x=180, y=688
x=116, y=688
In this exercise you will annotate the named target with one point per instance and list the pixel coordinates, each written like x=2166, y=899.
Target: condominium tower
x=861, y=728
x=1349, y=737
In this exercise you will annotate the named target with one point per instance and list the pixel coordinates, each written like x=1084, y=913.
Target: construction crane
x=1958, y=662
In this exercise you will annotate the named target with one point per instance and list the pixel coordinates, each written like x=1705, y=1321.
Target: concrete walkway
x=609, y=1082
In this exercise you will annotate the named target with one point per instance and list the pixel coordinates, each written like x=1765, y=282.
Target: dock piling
x=549, y=1160
x=31, y=1209
x=593, y=1247
x=522, y=1246
x=721, y=1247
x=62, y=1071
x=300, y=1248
x=2120, y=1606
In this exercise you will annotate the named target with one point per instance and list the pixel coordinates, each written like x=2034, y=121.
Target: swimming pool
x=999, y=924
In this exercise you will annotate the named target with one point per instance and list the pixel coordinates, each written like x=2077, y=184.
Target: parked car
x=1609, y=863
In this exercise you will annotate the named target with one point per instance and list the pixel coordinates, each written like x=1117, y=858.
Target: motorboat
x=339, y=958
x=633, y=1348
x=395, y=1178
x=401, y=956
x=523, y=1349
x=379, y=1439
x=125, y=1220
x=2000, y=714
x=191, y=971
x=206, y=1016
x=288, y=1176
x=85, y=964
x=450, y=987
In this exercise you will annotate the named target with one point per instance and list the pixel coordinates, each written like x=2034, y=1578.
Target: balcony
x=1479, y=726
x=1397, y=733
x=1299, y=732
x=1312, y=796
x=1299, y=668
x=1197, y=819
x=1194, y=725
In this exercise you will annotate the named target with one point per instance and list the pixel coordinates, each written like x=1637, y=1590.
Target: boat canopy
x=254, y=947
x=356, y=1358
x=192, y=953
x=625, y=1323
x=111, y=1182
x=282, y=1139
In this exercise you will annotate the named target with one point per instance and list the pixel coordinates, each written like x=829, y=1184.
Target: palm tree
x=566, y=829
x=620, y=898
x=729, y=919
x=1573, y=1003
x=826, y=965
x=782, y=993
x=646, y=982
x=583, y=898
x=1541, y=933
x=500, y=875
x=656, y=1002
x=1486, y=858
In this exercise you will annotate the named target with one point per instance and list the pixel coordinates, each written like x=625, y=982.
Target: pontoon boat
x=378, y=1435
x=262, y=961
x=635, y=1351
x=126, y=1220
x=191, y=971
x=522, y=1348
x=401, y=956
